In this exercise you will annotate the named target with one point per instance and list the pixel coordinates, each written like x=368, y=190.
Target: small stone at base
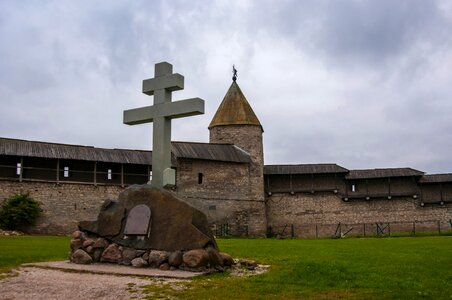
x=164, y=267
x=139, y=262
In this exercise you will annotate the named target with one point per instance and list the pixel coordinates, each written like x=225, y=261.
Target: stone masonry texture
x=248, y=138
x=63, y=205
x=324, y=211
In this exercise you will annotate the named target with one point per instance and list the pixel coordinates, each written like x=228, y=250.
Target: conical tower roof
x=234, y=110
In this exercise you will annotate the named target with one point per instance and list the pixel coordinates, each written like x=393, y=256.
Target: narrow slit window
x=353, y=187
x=109, y=174
x=150, y=175
x=200, y=178
x=18, y=168
x=66, y=172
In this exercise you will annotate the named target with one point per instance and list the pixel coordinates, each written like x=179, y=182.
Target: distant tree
x=19, y=211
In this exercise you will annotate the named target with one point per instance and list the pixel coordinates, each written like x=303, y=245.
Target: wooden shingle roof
x=208, y=151
x=76, y=152
x=436, y=178
x=303, y=169
x=383, y=173
x=205, y=151
x=234, y=110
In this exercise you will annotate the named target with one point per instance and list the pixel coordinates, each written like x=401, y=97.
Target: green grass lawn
x=364, y=268
x=15, y=250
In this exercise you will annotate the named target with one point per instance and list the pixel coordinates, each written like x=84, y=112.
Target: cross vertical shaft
x=161, y=136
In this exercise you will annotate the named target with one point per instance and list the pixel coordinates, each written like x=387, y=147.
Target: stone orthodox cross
x=161, y=113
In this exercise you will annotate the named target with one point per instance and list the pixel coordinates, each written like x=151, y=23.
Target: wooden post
x=316, y=231
x=441, y=190
x=21, y=169
x=312, y=182
x=58, y=171
x=414, y=227
x=364, y=225
x=338, y=231
x=290, y=182
x=439, y=227
x=122, y=175
x=422, y=194
x=389, y=186
x=367, y=187
x=95, y=173
x=292, y=231
x=346, y=189
x=389, y=229
x=149, y=173
x=335, y=182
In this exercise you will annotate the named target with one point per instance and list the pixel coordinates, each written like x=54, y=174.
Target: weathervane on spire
x=234, y=73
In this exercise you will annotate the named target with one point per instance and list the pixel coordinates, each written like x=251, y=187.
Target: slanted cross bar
x=161, y=113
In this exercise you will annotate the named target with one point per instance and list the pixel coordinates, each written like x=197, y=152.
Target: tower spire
x=234, y=110
x=234, y=73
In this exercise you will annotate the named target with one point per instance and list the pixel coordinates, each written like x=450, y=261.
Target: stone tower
x=236, y=123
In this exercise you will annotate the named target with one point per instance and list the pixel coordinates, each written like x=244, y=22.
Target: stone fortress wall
x=247, y=212
x=223, y=191
x=319, y=215
x=299, y=214
x=63, y=205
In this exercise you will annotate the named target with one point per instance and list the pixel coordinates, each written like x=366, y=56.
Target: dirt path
x=41, y=282
x=38, y=283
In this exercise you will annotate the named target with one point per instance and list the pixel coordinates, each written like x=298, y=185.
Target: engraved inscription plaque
x=138, y=221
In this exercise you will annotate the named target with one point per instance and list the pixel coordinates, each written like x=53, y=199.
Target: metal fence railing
x=341, y=230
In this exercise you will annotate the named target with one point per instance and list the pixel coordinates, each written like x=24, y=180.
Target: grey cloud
x=376, y=31
x=360, y=83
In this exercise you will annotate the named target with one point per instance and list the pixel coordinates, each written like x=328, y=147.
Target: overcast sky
x=365, y=84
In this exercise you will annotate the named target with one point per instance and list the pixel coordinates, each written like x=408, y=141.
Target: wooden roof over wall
x=383, y=173
x=436, y=178
x=73, y=152
x=205, y=151
x=303, y=169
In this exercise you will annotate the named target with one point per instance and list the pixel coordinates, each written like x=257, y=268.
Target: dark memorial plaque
x=138, y=221
x=154, y=219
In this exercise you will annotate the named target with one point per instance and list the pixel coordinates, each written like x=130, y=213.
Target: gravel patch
x=44, y=283
x=38, y=283
x=115, y=269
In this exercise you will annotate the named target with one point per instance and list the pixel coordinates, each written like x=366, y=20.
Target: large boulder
x=109, y=220
x=128, y=254
x=88, y=243
x=139, y=262
x=160, y=221
x=215, y=259
x=111, y=254
x=81, y=257
x=227, y=259
x=157, y=257
x=196, y=258
x=78, y=235
x=97, y=254
x=175, y=259
x=76, y=244
x=100, y=243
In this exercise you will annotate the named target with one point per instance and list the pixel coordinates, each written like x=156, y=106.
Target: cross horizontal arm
x=172, y=110
x=173, y=82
